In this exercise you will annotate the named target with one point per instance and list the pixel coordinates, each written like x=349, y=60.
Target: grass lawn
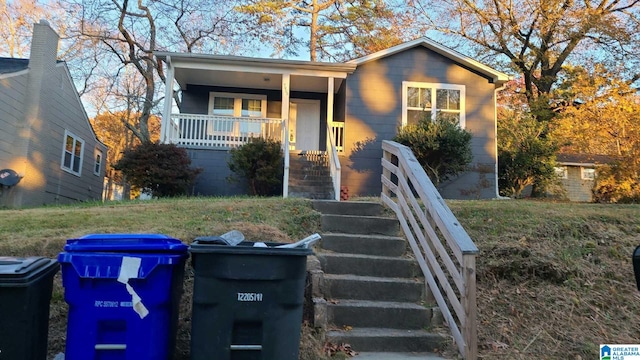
x=555, y=280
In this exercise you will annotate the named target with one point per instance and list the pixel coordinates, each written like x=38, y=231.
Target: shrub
x=260, y=162
x=441, y=146
x=617, y=183
x=162, y=170
x=525, y=156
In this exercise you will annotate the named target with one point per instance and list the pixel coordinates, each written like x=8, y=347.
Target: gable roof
x=498, y=77
x=11, y=65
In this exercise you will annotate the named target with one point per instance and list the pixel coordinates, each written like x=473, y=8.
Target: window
x=237, y=105
x=428, y=100
x=72, y=153
x=98, y=163
x=588, y=173
x=561, y=172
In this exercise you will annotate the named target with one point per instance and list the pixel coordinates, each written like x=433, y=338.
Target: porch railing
x=334, y=164
x=444, y=251
x=337, y=129
x=220, y=131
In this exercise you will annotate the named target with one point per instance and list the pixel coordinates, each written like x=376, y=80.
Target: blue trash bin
x=123, y=292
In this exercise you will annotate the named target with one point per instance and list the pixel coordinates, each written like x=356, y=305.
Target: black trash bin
x=25, y=293
x=247, y=301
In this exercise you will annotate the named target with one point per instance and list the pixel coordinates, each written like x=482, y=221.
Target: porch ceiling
x=251, y=80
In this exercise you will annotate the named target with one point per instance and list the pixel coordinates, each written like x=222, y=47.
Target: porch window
x=72, y=154
x=428, y=100
x=237, y=106
x=223, y=106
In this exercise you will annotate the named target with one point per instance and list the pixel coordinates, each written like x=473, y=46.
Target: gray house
x=578, y=172
x=330, y=117
x=49, y=153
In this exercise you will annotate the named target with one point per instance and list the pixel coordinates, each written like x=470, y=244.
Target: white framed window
x=97, y=166
x=72, y=150
x=588, y=173
x=428, y=100
x=237, y=105
x=561, y=172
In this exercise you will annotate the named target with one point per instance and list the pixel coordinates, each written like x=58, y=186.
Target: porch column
x=286, y=82
x=165, y=124
x=330, y=89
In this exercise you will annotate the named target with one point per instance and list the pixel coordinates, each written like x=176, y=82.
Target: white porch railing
x=334, y=164
x=220, y=131
x=446, y=254
x=337, y=129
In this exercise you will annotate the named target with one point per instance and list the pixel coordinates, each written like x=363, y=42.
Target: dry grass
x=555, y=280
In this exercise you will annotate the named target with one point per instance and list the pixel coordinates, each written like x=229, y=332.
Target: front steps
x=373, y=296
x=309, y=175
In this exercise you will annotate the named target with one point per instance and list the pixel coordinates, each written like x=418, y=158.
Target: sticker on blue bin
x=129, y=270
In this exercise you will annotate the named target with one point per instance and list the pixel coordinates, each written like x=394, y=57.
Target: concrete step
x=311, y=194
x=387, y=340
x=373, y=288
x=319, y=182
x=352, y=224
x=362, y=208
x=368, y=265
x=366, y=313
x=364, y=244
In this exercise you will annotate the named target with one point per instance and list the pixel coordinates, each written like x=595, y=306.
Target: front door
x=304, y=124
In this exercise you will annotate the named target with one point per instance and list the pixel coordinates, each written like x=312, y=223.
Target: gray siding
x=577, y=189
x=212, y=181
x=12, y=90
x=58, y=109
x=65, y=112
x=374, y=112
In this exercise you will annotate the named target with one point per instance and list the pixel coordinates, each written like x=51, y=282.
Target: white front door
x=304, y=124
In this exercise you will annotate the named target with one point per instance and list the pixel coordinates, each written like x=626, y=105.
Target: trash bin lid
x=247, y=248
x=125, y=243
x=22, y=270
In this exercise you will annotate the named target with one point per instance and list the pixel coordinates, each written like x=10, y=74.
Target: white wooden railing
x=444, y=251
x=334, y=164
x=337, y=129
x=221, y=131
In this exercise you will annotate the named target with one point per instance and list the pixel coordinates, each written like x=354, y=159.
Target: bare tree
x=127, y=33
x=17, y=18
x=536, y=38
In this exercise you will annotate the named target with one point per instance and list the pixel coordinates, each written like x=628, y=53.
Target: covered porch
x=227, y=100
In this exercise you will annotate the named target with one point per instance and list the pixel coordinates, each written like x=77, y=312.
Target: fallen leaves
x=333, y=349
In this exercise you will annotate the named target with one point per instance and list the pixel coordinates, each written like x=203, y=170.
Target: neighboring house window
x=237, y=105
x=588, y=173
x=428, y=100
x=561, y=172
x=72, y=150
x=98, y=163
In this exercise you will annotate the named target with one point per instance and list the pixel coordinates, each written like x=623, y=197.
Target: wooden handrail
x=334, y=164
x=445, y=252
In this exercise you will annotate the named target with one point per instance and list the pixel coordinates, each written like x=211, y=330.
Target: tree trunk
x=313, y=42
